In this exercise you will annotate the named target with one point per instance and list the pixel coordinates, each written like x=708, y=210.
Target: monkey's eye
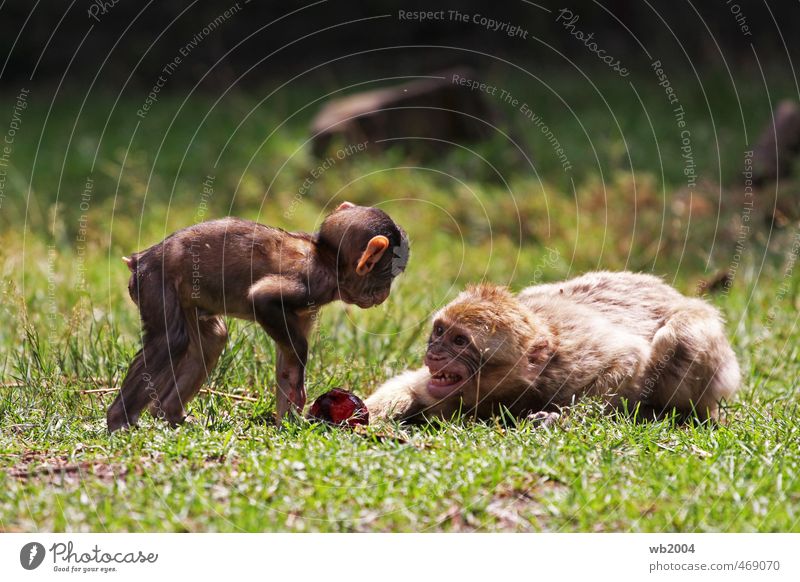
x=438, y=330
x=460, y=340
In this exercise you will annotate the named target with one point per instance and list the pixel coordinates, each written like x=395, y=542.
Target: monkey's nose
x=433, y=359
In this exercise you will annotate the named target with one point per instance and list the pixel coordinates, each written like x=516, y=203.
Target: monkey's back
x=220, y=259
x=638, y=302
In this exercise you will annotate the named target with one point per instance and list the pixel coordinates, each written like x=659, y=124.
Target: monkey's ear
x=344, y=206
x=376, y=246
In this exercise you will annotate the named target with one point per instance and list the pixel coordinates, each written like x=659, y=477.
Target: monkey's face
x=474, y=344
x=365, y=296
x=371, y=250
x=365, y=290
x=452, y=358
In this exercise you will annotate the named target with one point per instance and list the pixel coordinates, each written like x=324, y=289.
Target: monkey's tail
x=165, y=341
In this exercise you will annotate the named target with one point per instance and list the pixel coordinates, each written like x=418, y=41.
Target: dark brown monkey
x=184, y=286
x=624, y=337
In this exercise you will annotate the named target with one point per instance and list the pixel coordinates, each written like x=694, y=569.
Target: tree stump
x=420, y=116
x=778, y=145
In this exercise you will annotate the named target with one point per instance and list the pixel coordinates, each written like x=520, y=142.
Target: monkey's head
x=370, y=251
x=484, y=336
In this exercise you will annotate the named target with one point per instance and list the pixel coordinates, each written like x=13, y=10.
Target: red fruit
x=340, y=407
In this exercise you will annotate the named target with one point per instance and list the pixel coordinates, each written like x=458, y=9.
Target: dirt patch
x=458, y=519
x=60, y=469
x=522, y=507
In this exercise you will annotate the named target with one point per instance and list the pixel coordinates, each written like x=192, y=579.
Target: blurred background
x=517, y=142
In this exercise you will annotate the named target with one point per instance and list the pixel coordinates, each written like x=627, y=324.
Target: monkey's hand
x=543, y=419
x=401, y=397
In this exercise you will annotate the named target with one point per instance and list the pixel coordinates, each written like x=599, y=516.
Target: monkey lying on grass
x=186, y=283
x=627, y=338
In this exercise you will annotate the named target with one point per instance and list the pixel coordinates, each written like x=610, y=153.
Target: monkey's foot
x=543, y=419
x=112, y=428
x=181, y=420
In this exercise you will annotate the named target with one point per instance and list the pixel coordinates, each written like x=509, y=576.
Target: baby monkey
x=184, y=286
x=627, y=338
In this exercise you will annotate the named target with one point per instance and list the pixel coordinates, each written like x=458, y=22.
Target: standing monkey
x=184, y=285
x=624, y=337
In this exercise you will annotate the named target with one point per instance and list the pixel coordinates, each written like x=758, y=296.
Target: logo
x=31, y=555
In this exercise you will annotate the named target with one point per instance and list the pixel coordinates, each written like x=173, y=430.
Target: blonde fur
x=627, y=338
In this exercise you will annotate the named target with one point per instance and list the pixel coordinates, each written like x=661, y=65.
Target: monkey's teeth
x=445, y=377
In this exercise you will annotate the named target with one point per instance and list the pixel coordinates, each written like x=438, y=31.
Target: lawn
x=89, y=183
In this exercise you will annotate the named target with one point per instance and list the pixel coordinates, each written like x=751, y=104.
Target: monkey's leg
x=165, y=339
x=290, y=332
x=692, y=367
x=137, y=387
x=207, y=338
x=291, y=390
x=622, y=361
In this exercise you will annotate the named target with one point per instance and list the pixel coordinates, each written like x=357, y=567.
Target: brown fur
x=627, y=338
x=184, y=285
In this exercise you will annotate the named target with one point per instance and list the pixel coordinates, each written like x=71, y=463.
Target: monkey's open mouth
x=444, y=383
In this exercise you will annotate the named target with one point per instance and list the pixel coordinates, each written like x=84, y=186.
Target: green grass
x=469, y=218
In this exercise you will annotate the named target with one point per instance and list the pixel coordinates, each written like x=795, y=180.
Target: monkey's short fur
x=188, y=283
x=627, y=338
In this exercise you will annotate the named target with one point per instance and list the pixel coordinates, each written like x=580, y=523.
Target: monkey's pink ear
x=344, y=206
x=376, y=246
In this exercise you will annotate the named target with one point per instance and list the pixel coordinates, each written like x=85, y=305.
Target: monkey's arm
x=403, y=397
